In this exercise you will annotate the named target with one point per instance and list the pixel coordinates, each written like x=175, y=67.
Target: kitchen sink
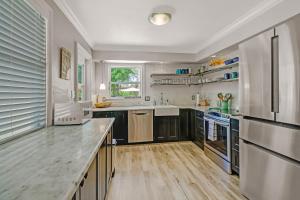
x=166, y=110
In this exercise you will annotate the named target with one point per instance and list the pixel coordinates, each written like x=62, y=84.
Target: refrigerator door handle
x=275, y=73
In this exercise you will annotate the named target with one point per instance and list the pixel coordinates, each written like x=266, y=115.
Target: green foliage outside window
x=80, y=80
x=80, y=73
x=125, y=82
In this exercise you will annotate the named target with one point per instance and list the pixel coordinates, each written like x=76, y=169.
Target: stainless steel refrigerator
x=270, y=105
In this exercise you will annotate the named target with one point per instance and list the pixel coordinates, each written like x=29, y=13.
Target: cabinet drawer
x=266, y=175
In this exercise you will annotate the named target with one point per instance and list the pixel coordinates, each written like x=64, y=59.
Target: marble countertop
x=50, y=163
x=148, y=107
x=124, y=108
x=234, y=115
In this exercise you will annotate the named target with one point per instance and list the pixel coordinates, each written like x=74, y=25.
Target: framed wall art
x=65, y=64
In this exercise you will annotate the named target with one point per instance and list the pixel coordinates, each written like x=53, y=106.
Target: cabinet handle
x=140, y=113
x=275, y=74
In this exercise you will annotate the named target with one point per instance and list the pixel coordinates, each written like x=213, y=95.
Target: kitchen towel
x=212, y=135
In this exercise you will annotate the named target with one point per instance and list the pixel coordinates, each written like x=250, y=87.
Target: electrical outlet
x=147, y=98
x=193, y=97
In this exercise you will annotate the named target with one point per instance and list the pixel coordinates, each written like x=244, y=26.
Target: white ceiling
x=124, y=26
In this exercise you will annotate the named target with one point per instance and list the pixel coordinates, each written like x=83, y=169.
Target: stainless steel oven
x=217, y=138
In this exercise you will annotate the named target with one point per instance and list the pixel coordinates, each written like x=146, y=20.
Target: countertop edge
x=127, y=108
x=71, y=192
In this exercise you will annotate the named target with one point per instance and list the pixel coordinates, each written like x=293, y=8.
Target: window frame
x=82, y=57
x=127, y=65
x=83, y=84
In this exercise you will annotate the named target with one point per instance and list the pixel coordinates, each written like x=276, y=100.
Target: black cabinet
x=234, y=132
x=166, y=128
x=185, y=124
x=199, y=129
x=120, y=126
x=96, y=181
x=102, y=114
x=192, y=124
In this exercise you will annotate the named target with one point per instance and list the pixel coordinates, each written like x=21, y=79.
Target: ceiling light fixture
x=160, y=19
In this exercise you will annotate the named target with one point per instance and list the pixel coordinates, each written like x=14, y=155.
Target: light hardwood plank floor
x=168, y=171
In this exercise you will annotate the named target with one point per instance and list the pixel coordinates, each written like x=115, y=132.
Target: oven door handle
x=217, y=122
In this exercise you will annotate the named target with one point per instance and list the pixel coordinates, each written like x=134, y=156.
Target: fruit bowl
x=103, y=104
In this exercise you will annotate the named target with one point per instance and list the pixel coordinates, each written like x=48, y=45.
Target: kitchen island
x=51, y=163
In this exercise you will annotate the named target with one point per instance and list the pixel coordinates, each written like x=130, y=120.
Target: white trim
x=64, y=7
x=257, y=11
x=83, y=53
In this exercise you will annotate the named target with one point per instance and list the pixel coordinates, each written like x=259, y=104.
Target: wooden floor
x=169, y=171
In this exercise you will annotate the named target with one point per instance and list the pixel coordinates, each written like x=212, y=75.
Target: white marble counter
x=49, y=163
x=124, y=108
x=149, y=107
x=199, y=108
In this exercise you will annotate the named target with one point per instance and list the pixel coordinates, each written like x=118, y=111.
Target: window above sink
x=125, y=81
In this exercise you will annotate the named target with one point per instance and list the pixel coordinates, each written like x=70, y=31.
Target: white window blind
x=22, y=69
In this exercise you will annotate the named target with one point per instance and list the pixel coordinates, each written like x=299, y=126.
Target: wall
x=177, y=95
x=279, y=13
x=60, y=33
x=211, y=90
x=143, y=56
x=64, y=35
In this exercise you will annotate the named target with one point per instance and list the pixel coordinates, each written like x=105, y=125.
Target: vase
x=224, y=105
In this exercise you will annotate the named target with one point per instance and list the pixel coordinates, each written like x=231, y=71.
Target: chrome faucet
x=162, y=98
x=154, y=102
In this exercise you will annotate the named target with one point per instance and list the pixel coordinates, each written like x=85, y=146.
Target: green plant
x=124, y=78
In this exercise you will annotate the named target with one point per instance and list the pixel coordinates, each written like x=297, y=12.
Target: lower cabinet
x=185, y=124
x=193, y=125
x=102, y=183
x=95, y=183
x=234, y=132
x=199, y=129
x=109, y=158
x=166, y=128
x=88, y=189
x=120, y=125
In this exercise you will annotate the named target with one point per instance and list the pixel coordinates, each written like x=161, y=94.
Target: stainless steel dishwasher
x=140, y=126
